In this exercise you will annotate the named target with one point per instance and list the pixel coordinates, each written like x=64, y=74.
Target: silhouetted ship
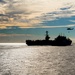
x=58, y=41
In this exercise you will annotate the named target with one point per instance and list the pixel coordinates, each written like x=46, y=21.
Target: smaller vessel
x=70, y=28
x=58, y=41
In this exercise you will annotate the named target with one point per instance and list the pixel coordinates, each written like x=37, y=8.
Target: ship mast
x=47, y=36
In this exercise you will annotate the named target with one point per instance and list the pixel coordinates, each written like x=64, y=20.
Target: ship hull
x=47, y=43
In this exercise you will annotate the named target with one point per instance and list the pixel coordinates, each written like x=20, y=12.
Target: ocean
x=20, y=59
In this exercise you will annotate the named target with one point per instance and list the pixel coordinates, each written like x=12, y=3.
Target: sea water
x=20, y=59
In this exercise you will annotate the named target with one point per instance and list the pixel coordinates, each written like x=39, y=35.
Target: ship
x=60, y=40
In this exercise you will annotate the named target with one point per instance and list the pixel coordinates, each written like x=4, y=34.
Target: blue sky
x=28, y=19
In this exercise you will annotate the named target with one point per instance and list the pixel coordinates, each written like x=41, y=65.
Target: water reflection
x=35, y=60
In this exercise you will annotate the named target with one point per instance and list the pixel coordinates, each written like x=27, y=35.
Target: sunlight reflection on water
x=37, y=60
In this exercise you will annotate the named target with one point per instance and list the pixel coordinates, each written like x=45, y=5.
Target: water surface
x=37, y=60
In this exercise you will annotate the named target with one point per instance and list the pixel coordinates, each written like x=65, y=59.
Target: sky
x=29, y=19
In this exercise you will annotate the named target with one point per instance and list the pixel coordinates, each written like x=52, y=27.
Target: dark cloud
x=66, y=8
x=4, y=18
x=3, y=15
x=8, y=1
x=2, y=1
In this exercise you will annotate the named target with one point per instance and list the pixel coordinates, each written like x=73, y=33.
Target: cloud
x=59, y=21
x=58, y=26
x=72, y=21
x=2, y=1
x=5, y=35
x=31, y=13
